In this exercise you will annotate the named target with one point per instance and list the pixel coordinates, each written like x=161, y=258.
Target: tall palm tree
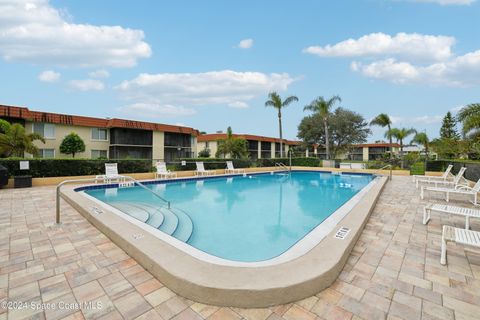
x=276, y=102
x=383, y=120
x=422, y=139
x=401, y=134
x=470, y=118
x=323, y=108
x=14, y=140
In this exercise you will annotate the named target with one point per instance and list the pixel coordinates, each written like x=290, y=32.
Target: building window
x=46, y=153
x=99, y=154
x=99, y=134
x=46, y=130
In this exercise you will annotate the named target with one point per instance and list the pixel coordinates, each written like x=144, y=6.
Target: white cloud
x=224, y=87
x=86, y=85
x=49, y=76
x=461, y=71
x=155, y=110
x=239, y=105
x=245, y=44
x=407, y=45
x=457, y=108
x=34, y=31
x=100, y=73
x=448, y=2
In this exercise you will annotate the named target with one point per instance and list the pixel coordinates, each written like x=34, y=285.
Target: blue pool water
x=239, y=218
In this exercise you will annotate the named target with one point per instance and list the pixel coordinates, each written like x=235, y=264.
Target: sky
x=211, y=64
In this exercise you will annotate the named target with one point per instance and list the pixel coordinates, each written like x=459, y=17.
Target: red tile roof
x=219, y=136
x=37, y=116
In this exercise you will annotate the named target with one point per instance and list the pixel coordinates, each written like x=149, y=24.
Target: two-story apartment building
x=105, y=138
x=359, y=152
x=259, y=147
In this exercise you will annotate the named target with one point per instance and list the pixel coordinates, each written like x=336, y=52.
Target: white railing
x=57, y=214
x=282, y=166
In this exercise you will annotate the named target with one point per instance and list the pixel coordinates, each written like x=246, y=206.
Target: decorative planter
x=22, y=181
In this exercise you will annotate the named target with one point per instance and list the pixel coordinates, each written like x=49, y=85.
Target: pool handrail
x=282, y=166
x=57, y=214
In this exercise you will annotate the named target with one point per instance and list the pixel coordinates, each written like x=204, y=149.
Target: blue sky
x=184, y=62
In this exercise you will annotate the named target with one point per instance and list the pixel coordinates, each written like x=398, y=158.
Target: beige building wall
x=212, y=145
x=63, y=130
x=272, y=150
x=158, y=145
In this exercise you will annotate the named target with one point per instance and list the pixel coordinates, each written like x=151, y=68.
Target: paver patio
x=393, y=271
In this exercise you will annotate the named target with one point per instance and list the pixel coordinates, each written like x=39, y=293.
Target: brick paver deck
x=392, y=273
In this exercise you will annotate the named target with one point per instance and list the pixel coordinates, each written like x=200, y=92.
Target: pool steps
x=173, y=221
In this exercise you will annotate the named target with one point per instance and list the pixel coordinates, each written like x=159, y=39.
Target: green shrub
x=417, y=168
x=300, y=162
x=72, y=167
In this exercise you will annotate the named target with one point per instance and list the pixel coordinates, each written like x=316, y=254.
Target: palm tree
x=422, y=139
x=383, y=120
x=323, y=108
x=14, y=141
x=276, y=102
x=470, y=118
x=234, y=147
x=401, y=134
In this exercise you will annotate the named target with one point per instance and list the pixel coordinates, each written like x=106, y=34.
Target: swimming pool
x=249, y=218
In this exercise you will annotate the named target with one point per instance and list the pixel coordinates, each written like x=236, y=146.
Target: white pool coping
x=302, y=246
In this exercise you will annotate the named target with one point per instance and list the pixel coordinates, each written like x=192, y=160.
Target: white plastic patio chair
x=446, y=209
x=163, y=172
x=111, y=174
x=465, y=190
x=447, y=175
x=231, y=168
x=458, y=180
x=460, y=236
x=201, y=170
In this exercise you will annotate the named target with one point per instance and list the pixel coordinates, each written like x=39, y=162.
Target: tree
x=276, y=102
x=383, y=120
x=71, y=144
x=14, y=141
x=345, y=128
x=470, y=118
x=205, y=153
x=323, y=108
x=234, y=147
x=422, y=139
x=448, y=130
x=400, y=135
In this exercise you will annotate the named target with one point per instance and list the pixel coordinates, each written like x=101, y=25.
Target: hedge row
x=79, y=167
x=219, y=163
x=40, y=168
x=473, y=167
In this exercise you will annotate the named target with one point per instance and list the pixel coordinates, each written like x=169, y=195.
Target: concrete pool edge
x=228, y=285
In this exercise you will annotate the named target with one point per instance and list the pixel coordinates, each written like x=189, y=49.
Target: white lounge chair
x=458, y=180
x=163, y=172
x=460, y=236
x=446, y=209
x=231, y=168
x=201, y=170
x=111, y=174
x=466, y=190
x=447, y=175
